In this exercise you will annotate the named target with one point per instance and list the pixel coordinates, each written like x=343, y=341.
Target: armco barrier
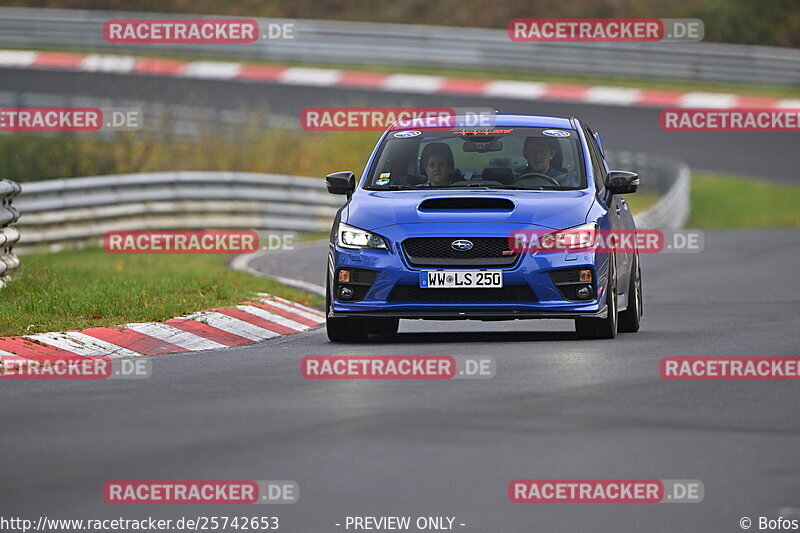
x=406, y=44
x=668, y=178
x=57, y=214
x=9, y=235
x=78, y=211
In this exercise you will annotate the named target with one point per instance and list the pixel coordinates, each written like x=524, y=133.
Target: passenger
x=437, y=164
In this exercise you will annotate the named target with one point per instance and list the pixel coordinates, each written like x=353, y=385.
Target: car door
x=618, y=212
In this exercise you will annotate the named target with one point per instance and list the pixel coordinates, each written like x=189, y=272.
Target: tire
x=342, y=329
x=602, y=328
x=346, y=329
x=630, y=318
x=384, y=326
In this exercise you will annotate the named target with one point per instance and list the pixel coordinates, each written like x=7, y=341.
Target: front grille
x=509, y=293
x=437, y=251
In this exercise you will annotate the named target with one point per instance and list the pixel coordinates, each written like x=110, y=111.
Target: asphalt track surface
x=772, y=156
x=558, y=407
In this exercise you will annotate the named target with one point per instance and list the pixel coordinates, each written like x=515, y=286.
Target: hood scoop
x=502, y=205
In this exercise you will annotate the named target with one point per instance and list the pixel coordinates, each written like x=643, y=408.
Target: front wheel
x=346, y=329
x=630, y=318
x=602, y=328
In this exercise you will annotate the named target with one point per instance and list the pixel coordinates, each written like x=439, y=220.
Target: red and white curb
x=265, y=317
x=323, y=77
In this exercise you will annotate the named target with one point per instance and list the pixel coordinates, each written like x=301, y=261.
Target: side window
x=598, y=167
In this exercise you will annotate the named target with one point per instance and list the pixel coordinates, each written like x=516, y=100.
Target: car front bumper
x=392, y=269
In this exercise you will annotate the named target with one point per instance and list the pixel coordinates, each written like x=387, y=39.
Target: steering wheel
x=539, y=175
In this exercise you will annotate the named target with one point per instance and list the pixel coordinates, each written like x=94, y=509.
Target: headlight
x=357, y=239
x=576, y=238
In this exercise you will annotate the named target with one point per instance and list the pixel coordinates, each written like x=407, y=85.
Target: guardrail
x=666, y=177
x=57, y=214
x=76, y=212
x=438, y=46
x=9, y=235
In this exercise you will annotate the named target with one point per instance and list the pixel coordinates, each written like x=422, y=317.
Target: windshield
x=505, y=158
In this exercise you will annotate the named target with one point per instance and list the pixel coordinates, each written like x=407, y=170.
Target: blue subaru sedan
x=430, y=230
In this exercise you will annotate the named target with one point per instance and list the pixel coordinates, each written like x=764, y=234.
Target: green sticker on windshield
x=382, y=181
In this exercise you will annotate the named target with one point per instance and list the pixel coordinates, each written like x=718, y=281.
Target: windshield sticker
x=382, y=180
x=480, y=132
x=405, y=134
x=556, y=133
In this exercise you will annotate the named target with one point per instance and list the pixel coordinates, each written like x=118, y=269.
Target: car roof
x=531, y=121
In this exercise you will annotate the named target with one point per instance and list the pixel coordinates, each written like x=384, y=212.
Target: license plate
x=463, y=279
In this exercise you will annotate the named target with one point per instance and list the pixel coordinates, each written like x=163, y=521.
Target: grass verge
x=249, y=149
x=641, y=200
x=89, y=288
x=723, y=201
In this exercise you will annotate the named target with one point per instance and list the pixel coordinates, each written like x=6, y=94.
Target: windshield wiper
x=515, y=188
x=398, y=188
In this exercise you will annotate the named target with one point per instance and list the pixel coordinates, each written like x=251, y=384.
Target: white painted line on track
x=612, y=95
x=413, y=83
x=106, y=63
x=220, y=70
x=321, y=77
x=700, y=99
x=17, y=58
x=527, y=90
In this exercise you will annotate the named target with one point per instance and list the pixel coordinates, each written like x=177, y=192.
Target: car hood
x=372, y=210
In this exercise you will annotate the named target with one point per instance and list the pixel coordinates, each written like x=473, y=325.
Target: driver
x=540, y=151
x=437, y=164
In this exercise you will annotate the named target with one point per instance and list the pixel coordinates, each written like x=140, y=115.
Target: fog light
x=585, y=275
x=584, y=293
x=345, y=293
x=344, y=276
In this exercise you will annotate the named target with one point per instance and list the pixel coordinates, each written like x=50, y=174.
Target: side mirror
x=341, y=182
x=621, y=182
